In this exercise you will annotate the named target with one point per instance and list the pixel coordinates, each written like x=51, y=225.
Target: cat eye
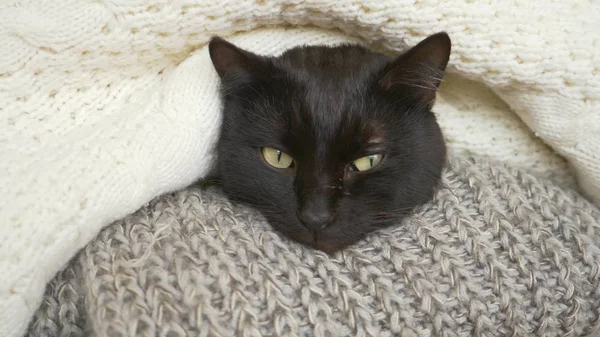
x=367, y=162
x=277, y=158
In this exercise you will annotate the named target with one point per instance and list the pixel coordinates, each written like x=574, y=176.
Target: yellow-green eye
x=367, y=162
x=276, y=158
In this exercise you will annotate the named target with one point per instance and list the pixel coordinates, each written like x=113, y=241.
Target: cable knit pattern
x=498, y=252
x=100, y=113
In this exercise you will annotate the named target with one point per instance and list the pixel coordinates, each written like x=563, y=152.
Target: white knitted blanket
x=99, y=114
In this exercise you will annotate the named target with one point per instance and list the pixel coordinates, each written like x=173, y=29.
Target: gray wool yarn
x=498, y=252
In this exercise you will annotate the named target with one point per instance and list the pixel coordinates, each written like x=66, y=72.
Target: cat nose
x=315, y=219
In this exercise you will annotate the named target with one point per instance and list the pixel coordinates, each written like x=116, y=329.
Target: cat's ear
x=420, y=70
x=227, y=57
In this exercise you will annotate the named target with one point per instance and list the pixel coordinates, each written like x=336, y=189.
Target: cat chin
x=326, y=242
x=327, y=247
x=330, y=248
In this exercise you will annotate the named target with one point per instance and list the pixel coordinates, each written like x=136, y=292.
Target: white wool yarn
x=99, y=115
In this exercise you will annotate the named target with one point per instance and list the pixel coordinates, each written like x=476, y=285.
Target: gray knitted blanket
x=497, y=253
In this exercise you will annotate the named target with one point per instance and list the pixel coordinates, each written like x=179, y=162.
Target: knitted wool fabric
x=497, y=253
x=108, y=104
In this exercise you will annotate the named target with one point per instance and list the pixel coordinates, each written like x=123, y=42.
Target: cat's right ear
x=227, y=58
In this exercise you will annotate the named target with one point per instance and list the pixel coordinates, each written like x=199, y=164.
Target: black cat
x=330, y=143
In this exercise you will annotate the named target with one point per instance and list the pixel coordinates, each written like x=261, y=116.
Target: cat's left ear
x=420, y=70
x=227, y=57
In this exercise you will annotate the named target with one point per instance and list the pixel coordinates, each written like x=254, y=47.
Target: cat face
x=330, y=143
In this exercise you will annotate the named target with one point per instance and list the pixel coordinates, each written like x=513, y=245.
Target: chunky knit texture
x=497, y=253
x=99, y=115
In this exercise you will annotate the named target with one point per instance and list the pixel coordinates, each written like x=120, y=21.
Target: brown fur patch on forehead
x=373, y=134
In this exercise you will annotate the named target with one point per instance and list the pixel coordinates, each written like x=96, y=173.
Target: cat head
x=330, y=142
